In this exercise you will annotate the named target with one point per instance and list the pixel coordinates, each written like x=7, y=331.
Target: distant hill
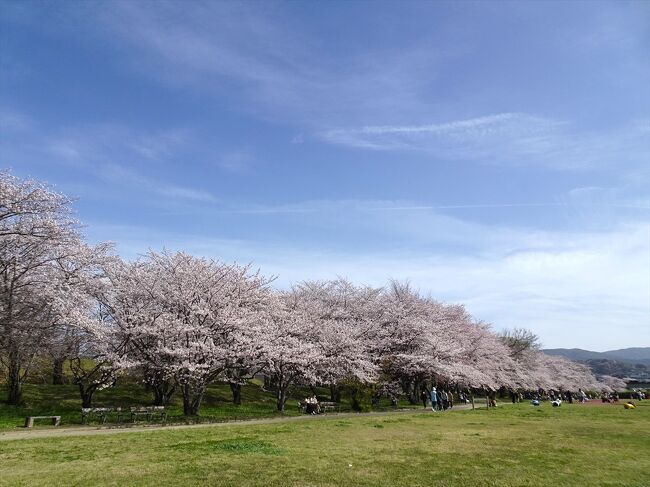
x=639, y=355
x=634, y=355
x=626, y=362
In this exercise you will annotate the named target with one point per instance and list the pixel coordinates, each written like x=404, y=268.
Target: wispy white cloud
x=98, y=152
x=575, y=199
x=236, y=161
x=111, y=153
x=14, y=121
x=160, y=145
x=280, y=71
x=476, y=126
x=622, y=197
x=96, y=141
x=507, y=139
x=127, y=177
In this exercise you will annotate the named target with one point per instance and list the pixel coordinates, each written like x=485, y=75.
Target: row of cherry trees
x=185, y=322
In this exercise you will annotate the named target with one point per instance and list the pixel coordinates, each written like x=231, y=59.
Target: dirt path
x=70, y=431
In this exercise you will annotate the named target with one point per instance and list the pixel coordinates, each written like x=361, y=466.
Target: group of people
x=561, y=396
x=311, y=405
x=440, y=400
x=613, y=397
x=463, y=398
x=555, y=397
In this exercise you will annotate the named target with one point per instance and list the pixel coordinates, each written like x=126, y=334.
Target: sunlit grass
x=512, y=446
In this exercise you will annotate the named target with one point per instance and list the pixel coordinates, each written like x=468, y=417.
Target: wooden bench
x=149, y=412
x=322, y=406
x=29, y=420
x=329, y=406
x=100, y=413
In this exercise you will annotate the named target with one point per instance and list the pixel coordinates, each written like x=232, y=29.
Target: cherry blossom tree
x=88, y=338
x=611, y=384
x=289, y=353
x=41, y=252
x=186, y=319
x=342, y=317
x=418, y=339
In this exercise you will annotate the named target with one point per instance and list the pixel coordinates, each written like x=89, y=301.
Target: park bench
x=29, y=420
x=329, y=406
x=149, y=412
x=100, y=413
x=324, y=406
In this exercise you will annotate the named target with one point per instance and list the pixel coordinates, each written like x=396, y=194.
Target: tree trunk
x=192, y=397
x=235, y=387
x=281, y=396
x=354, y=401
x=414, y=393
x=163, y=392
x=375, y=400
x=406, y=386
x=86, y=396
x=14, y=383
x=335, y=393
x=57, y=371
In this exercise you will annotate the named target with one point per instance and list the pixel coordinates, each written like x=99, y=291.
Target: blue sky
x=494, y=154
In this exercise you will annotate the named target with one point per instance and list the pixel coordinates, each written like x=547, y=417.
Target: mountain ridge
x=633, y=362
x=631, y=355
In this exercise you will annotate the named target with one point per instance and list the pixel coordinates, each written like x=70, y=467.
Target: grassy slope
x=217, y=404
x=64, y=401
x=513, y=445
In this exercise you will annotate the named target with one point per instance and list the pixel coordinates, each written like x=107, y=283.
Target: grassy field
x=514, y=445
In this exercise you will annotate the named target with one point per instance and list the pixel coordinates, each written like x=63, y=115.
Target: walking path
x=24, y=434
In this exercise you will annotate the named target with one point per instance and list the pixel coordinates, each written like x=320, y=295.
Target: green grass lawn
x=514, y=445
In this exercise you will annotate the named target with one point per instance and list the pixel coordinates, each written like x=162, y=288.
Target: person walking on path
x=434, y=399
x=424, y=398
